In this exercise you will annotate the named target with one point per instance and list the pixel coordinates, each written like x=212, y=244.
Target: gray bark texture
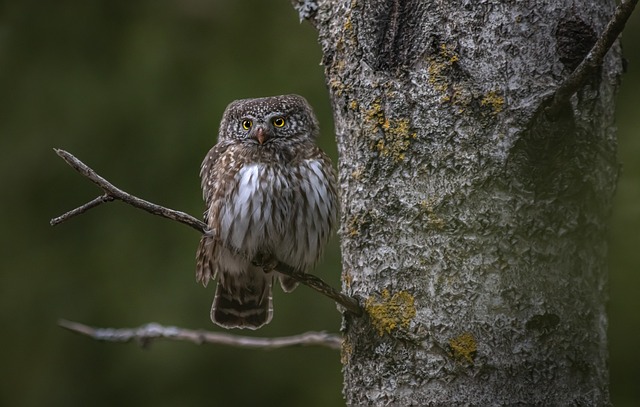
x=473, y=225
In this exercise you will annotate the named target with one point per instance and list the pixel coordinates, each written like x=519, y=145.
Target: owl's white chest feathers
x=287, y=212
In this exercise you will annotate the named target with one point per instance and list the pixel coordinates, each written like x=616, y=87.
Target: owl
x=270, y=194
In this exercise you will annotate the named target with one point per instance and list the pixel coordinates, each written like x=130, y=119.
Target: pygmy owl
x=270, y=193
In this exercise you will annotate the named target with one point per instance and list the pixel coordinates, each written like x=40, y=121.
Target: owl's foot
x=265, y=261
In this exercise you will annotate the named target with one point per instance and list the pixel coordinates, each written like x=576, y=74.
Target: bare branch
x=111, y=193
x=148, y=333
x=115, y=193
x=593, y=60
x=349, y=303
x=82, y=209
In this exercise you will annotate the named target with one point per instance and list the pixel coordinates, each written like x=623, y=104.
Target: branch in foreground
x=593, y=60
x=148, y=333
x=111, y=193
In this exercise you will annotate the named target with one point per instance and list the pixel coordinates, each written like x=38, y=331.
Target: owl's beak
x=261, y=135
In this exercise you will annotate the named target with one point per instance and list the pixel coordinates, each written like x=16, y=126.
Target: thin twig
x=116, y=193
x=349, y=303
x=82, y=209
x=593, y=60
x=111, y=193
x=148, y=333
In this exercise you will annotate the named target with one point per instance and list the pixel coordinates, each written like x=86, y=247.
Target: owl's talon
x=265, y=261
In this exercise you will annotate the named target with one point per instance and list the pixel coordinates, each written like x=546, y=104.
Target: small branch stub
x=593, y=60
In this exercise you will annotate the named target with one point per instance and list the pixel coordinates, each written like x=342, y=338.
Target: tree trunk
x=473, y=225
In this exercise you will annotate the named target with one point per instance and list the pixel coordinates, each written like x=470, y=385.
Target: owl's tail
x=245, y=305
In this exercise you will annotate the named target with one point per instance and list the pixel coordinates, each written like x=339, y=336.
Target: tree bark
x=473, y=224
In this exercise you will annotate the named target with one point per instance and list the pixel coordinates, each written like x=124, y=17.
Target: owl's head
x=269, y=120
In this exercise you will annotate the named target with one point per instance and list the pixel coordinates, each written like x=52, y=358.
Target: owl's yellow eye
x=278, y=122
x=246, y=124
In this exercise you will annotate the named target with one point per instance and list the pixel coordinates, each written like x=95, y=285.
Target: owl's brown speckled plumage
x=270, y=193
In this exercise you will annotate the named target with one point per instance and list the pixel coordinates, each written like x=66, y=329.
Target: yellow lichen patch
x=353, y=227
x=374, y=116
x=436, y=78
x=460, y=96
x=442, y=68
x=357, y=173
x=397, y=133
x=357, y=223
x=438, y=67
x=397, y=138
x=346, y=278
x=337, y=86
x=353, y=105
x=345, y=351
x=448, y=54
x=433, y=220
x=348, y=26
x=494, y=100
x=464, y=347
x=389, y=312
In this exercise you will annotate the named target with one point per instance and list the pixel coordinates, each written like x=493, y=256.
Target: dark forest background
x=136, y=90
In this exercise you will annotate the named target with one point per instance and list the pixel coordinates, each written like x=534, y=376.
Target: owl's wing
x=210, y=171
x=215, y=174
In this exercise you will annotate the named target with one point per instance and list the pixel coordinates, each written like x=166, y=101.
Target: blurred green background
x=136, y=90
